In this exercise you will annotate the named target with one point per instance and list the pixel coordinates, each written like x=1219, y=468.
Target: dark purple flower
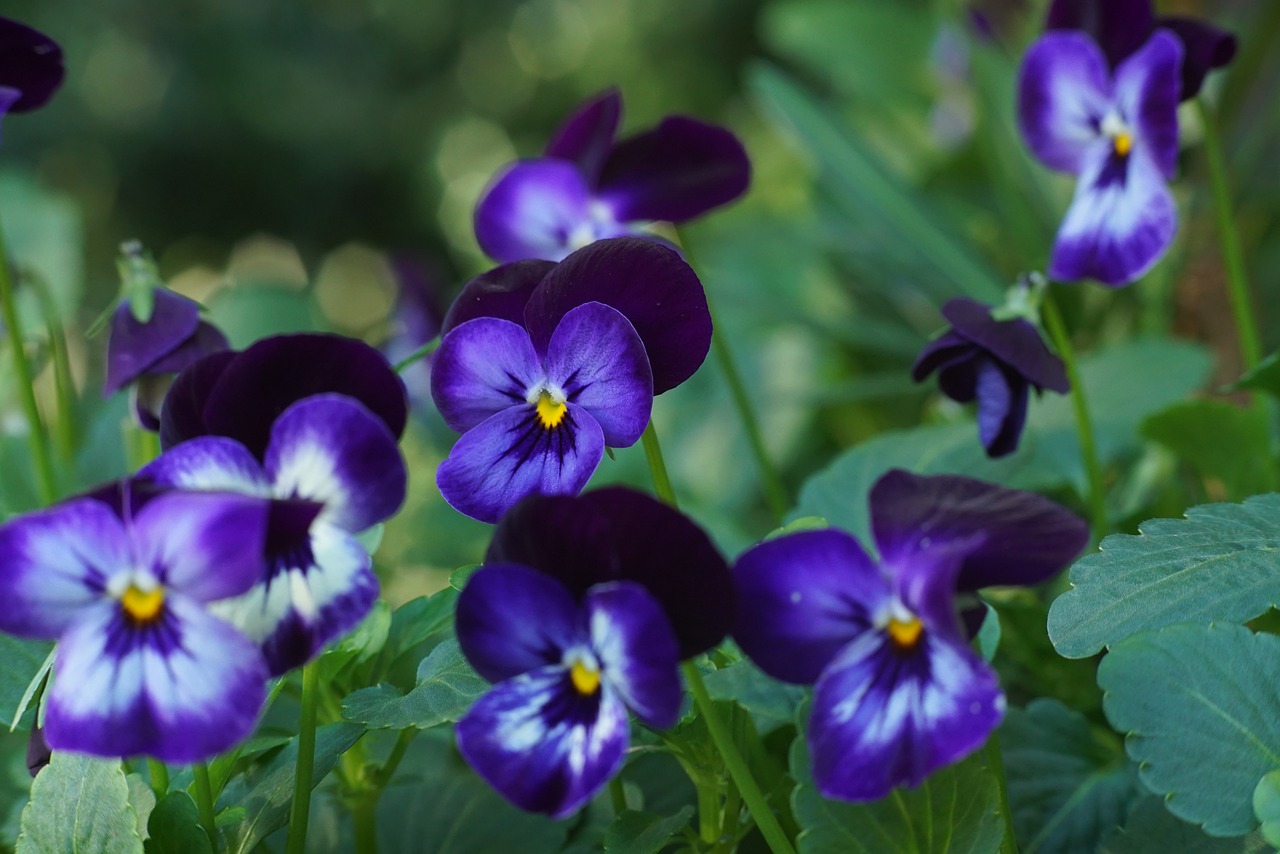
x=587, y=186
x=899, y=693
x=142, y=665
x=30, y=68
x=1121, y=27
x=994, y=362
x=415, y=321
x=1119, y=136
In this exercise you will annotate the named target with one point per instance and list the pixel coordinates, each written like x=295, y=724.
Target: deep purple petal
x=650, y=284
x=30, y=64
x=1146, y=93
x=55, y=563
x=182, y=415
x=597, y=358
x=182, y=688
x=535, y=209
x=332, y=450
x=207, y=339
x=942, y=350
x=542, y=745
x=512, y=619
x=501, y=292
x=133, y=347
x=1063, y=95
x=483, y=367
x=586, y=137
x=208, y=463
x=1004, y=440
x=1205, y=48
x=1014, y=342
x=679, y=170
x=998, y=395
x=1026, y=538
x=1118, y=26
x=802, y=598
x=638, y=656
x=884, y=717
x=958, y=378
x=511, y=456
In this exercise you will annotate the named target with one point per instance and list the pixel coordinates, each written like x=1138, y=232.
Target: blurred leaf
x=79, y=803
x=1264, y=377
x=447, y=686
x=142, y=799
x=1202, y=719
x=1151, y=829
x=247, y=313
x=16, y=656
x=988, y=638
x=770, y=703
x=643, y=832
x=802, y=523
x=1217, y=564
x=1220, y=441
x=175, y=827
x=45, y=234
x=1266, y=806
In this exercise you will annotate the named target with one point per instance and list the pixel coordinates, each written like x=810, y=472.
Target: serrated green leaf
x=643, y=832
x=1151, y=829
x=175, y=827
x=447, y=686
x=79, y=805
x=1220, y=441
x=1219, y=563
x=1202, y=718
x=1266, y=806
x=770, y=703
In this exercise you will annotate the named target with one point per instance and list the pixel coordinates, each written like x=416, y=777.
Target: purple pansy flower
x=587, y=186
x=1121, y=27
x=30, y=68
x=994, y=362
x=142, y=666
x=414, y=322
x=899, y=693
x=1118, y=134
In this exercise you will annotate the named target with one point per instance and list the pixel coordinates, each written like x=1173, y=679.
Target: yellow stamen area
x=1123, y=144
x=550, y=411
x=585, y=678
x=905, y=633
x=142, y=606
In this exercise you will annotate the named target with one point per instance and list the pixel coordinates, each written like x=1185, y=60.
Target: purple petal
x=332, y=450
x=1063, y=95
x=512, y=619
x=1146, y=93
x=208, y=463
x=501, y=292
x=542, y=745
x=677, y=171
x=586, y=137
x=55, y=563
x=182, y=415
x=483, y=367
x=884, y=718
x=1002, y=408
x=511, y=456
x=134, y=347
x=1024, y=538
x=600, y=362
x=1205, y=48
x=535, y=209
x=801, y=598
x=206, y=340
x=651, y=285
x=181, y=689
x=958, y=378
x=638, y=655
x=1015, y=342
x=944, y=349
x=1118, y=26
x=30, y=64
x=8, y=97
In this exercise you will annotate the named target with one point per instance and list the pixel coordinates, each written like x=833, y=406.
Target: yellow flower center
x=550, y=411
x=142, y=606
x=905, y=633
x=585, y=678
x=1122, y=143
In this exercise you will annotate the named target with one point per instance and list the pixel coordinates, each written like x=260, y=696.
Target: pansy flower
x=143, y=666
x=581, y=612
x=1118, y=134
x=898, y=691
x=414, y=322
x=992, y=361
x=588, y=185
x=30, y=68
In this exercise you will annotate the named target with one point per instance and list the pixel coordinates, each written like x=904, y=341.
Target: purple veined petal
x=57, y=562
x=208, y=463
x=802, y=598
x=677, y=171
x=501, y=292
x=332, y=450
x=1147, y=85
x=638, y=655
x=1122, y=219
x=182, y=688
x=600, y=362
x=1118, y=26
x=1026, y=537
x=207, y=339
x=30, y=63
x=884, y=717
x=541, y=744
x=512, y=619
x=586, y=137
x=534, y=209
x=651, y=285
x=1063, y=94
x=1000, y=394
x=483, y=367
x=182, y=415
x=1205, y=48
x=1015, y=342
x=134, y=347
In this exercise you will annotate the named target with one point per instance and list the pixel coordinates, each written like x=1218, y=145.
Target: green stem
x=364, y=820
x=708, y=809
x=364, y=810
x=658, y=466
x=204, y=802
x=39, y=439
x=300, y=811
x=1084, y=424
x=421, y=353
x=1009, y=844
x=159, y=777
x=65, y=428
x=617, y=795
x=1232, y=251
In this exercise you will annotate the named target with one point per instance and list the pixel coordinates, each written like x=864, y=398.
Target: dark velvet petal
x=1064, y=92
x=1014, y=342
x=650, y=284
x=483, y=367
x=133, y=347
x=637, y=652
x=501, y=292
x=679, y=170
x=207, y=339
x=535, y=209
x=1205, y=48
x=30, y=63
x=1024, y=538
x=958, y=379
x=182, y=415
x=1118, y=26
x=1146, y=94
x=586, y=137
x=944, y=349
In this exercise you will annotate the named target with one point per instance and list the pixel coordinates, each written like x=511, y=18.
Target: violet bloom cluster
x=30, y=68
x=588, y=185
x=898, y=691
x=580, y=614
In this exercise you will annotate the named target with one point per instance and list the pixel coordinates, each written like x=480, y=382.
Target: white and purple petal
x=637, y=652
x=1147, y=85
x=483, y=367
x=208, y=463
x=1064, y=92
x=534, y=209
x=512, y=619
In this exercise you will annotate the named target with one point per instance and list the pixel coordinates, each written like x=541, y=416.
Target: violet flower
x=30, y=68
x=1119, y=136
x=899, y=693
x=995, y=362
x=142, y=666
x=587, y=186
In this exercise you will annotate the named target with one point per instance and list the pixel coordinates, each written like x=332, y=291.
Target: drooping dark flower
x=1119, y=136
x=996, y=363
x=587, y=186
x=899, y=693
x=30, y=68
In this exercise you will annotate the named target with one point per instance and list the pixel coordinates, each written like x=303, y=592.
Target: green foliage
x=1266, y=806
x=1152, y=829
x=770, y=703
x=447, y=686
x=23, y=663
x=643, y=832
x=1220, y=442
x=79, y=805
x=174, y=827
x=1264, y=377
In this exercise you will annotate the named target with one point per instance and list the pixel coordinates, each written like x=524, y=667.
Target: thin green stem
x=421, y=353
x=364, y=808
x=204, y=802
x=1009, y=844
x=1232, y=251
x=388, y=769
x=617, y=795
x=708, y=809
x=159, y=777
x=300, y=811
x=658, y=466
x=364, y=820
x=65, y=427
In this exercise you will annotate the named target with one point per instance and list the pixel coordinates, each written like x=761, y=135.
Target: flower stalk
x=300, y=811
x=204, y=802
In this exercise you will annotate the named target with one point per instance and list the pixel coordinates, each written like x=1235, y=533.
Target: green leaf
x=14, y=662
x=79, y=804
x=1217, y=564
x=795, y=526
x=1266, y=806
x=247, y=313
x=175, y=827
x=770, y=703
x=1202, y=717
x=1068, y=782
x=1151, y=829
x=988, y=638
x=447, y=686
x=1220, y=441
x=1264, y=377
x=643, y=832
